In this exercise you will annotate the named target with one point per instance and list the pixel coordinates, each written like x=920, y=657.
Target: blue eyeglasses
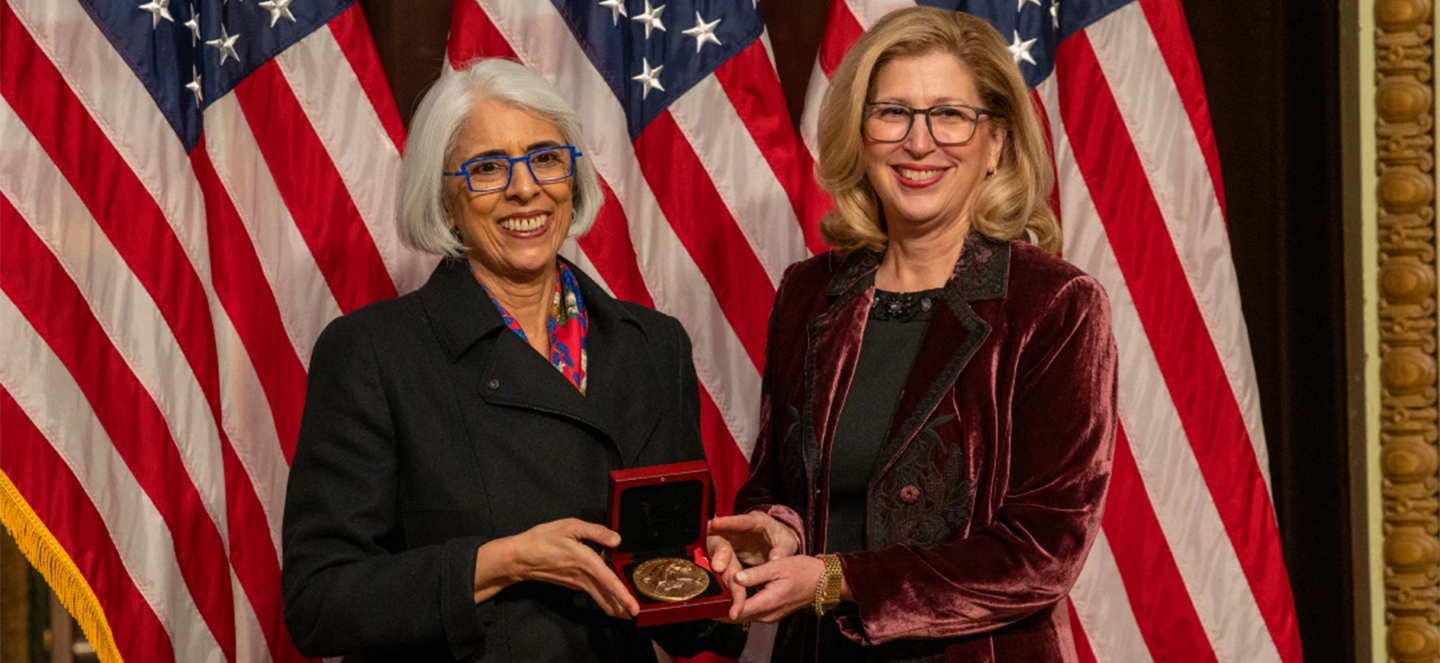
x=491, y=174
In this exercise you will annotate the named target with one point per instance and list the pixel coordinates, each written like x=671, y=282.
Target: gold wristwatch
x=827, y=589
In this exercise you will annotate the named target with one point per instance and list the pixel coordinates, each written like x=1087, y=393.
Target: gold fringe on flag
x=50, y=559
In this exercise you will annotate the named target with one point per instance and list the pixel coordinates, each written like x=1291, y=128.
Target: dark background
x=1272, y=76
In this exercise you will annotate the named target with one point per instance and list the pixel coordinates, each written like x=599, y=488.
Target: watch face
x=670, y=579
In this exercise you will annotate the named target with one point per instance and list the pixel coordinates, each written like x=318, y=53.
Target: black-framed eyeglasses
x=492, y=173
x=949, y=124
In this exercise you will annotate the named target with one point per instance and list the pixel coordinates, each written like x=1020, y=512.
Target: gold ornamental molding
x=1410, y=403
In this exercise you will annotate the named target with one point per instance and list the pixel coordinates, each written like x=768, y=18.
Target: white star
x=1055, y=14
x=1020, y=50
x=1021, y=4
x=158, y=9
x=278, y=9
x=225, y=44
x=703, y=32
x=651, y=18
x=194, y=25
x=617, y=9
x=649, y=78
x=194, y=86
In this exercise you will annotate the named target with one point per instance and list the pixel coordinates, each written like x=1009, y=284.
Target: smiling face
x=513, y=234
x=923, y=186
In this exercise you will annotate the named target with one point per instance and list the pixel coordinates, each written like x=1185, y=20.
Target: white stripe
x=741, y=175
x=301, y=292
x=810, y=117
x=249, y=638
x=120, y=303
x=48, y=394
x=867, y=12
x=1104, y=611
x=1186, y=510
x=1170, y=153
x=332, y=98
x=249, y=424
x=542, y=39
x=572, y=252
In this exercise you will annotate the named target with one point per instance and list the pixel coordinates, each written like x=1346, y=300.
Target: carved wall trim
x=1410, y=402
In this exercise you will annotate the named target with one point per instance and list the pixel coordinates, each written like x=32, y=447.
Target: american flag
x=686, y=124
x=189, y=191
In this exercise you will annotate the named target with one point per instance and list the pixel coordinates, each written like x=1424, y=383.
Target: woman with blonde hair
x=938, y=406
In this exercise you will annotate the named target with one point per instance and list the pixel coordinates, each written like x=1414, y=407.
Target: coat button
x=493, y=384
x=909, y=494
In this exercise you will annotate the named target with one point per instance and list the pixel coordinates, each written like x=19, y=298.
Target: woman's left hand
x=786, y=585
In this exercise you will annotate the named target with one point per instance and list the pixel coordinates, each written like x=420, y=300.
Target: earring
x=455, y=232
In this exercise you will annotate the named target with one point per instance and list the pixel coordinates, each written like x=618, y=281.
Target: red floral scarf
x=569, y=324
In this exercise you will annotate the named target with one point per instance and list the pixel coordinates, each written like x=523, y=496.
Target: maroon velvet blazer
x=989, y=485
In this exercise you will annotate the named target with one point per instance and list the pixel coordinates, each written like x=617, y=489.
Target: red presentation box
x=660, y=511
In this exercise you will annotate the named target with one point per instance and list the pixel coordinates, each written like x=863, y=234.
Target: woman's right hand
x=555, y=553
x=752, y=538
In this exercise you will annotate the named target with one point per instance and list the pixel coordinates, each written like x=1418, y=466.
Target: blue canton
x=188, y=53
x=1035, y=28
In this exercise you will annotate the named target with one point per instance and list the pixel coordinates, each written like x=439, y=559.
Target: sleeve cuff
x=466, y=624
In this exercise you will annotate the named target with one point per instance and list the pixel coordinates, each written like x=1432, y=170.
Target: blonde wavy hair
x=1011, y=201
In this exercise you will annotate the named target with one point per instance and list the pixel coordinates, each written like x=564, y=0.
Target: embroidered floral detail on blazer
x=922, y=500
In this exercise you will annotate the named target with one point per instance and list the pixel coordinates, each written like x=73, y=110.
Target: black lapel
x=505, y=370
x=624, y=386
x=954, y=334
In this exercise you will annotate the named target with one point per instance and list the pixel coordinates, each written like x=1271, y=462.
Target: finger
x=762, y=603
x=604, y=577
x=721, y=554
x=589, y=531
x=759, y=575
x=606, y=601
x=742, y=523
x=737, y=597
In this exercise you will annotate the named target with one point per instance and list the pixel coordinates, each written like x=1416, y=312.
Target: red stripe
x=236, y=270
x=608, y=247
x=313, y=191
x=56, y=496
x=728, y=466
x=1187, y=356
x=750, y=81
x=1050, y=150
x=842, y=30
x=474, y=35
x=235, y=275
x=1083, y=650
x=352, y=33
x=53, y=305
x=1158, y=597
x=1167, y=22
x=689, y=201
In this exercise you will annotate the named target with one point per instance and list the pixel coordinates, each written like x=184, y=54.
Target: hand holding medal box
x=661, y=514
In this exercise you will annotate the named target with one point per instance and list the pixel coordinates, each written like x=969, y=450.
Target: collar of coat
x=982, y=271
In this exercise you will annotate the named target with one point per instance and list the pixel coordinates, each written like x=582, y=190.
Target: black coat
x=429, y=429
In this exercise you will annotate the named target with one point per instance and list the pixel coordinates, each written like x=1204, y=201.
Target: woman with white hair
x=454, y=453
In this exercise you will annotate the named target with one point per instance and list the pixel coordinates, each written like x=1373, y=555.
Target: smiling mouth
x=918, y=177
x=528, y=224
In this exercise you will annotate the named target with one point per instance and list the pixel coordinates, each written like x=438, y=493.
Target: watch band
x=827, y=588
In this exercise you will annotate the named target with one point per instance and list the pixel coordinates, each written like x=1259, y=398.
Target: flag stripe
x=54, y=494
x=607, y=245
x=352, y=34
x=313, y=190
x=1105, y=617
x=753, y=88
x=1156, y=120
x=351, y=133
x=49, y=300
x=1157, y=593
x=1174, y=483
x=1187, y=355
x=239, y=280
x=1082, y=643
x=735, y=164
x=842, y=30
x=689, y=202
x=1167, y=22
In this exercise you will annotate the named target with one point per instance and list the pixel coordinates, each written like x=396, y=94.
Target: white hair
x=436, y=128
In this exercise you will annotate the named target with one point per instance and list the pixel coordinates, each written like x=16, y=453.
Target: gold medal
x=670, y=579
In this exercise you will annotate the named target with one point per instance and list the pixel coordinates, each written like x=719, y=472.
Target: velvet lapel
x=509, y=373
x=954, y=334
